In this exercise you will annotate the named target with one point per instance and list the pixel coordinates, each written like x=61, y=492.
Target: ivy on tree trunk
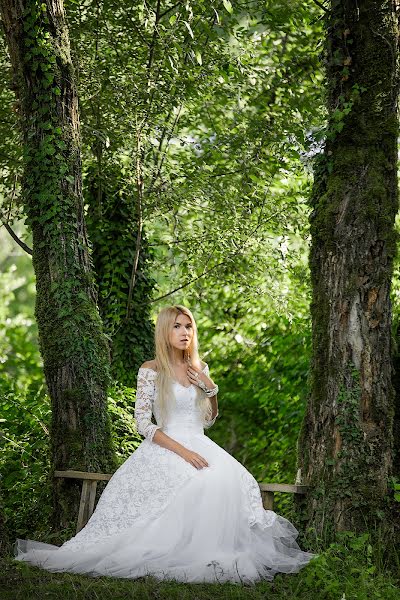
x=74, y=348
x=345, y=449
x=113, y=223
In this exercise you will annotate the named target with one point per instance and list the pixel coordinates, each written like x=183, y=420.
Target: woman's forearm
x=213, y=399
x=214, y=405
x=163, y=440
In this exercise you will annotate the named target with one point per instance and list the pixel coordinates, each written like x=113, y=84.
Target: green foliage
x=351, y=569
x=24, y=453
x=24, y=407
x=24, y=459
x=19, y=353
x=263, y=395
x=208, y=151
x=121, y=406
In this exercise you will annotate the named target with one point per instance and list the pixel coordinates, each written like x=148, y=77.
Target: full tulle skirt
x=160, y=516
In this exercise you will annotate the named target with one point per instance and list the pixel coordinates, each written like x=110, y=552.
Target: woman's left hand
x=193, y=371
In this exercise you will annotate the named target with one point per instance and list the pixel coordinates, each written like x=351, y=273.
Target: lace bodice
x=185, y=415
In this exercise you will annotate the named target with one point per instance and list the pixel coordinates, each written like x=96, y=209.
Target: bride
x=180, y=507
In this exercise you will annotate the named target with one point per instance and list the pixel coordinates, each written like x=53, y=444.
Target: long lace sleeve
x=145, y=392
x=209, y=423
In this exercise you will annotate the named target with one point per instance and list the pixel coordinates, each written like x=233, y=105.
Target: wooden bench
x=268, y=490
x=88, y=494
x=89, y=486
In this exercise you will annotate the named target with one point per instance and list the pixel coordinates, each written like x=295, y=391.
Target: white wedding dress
x=160, y=516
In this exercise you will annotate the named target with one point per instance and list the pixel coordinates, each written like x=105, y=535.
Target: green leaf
x=228, y=6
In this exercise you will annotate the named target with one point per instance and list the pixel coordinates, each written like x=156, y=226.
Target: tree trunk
x=113, y=225
x=74, y=348
x=396, y=425
x=345, y=450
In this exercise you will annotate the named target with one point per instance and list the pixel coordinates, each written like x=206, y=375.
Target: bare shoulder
x=149, y=364
x=203, y=364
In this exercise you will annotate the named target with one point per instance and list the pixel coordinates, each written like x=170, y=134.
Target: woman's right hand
x=194, y=459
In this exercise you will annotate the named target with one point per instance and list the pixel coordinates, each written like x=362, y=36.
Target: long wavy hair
x=166, y=400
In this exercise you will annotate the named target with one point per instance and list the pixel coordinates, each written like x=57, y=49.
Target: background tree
x=346, y=442
x=73, y=346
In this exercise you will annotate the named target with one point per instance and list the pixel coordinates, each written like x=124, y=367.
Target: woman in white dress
x=180, y=507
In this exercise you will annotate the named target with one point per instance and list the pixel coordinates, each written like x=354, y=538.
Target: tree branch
x=320, y=5
x=170, y=9
x=223, y=262
x=16, y=238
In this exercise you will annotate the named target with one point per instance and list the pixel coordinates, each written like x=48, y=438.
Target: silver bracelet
x=208, y=391
x=212, y=392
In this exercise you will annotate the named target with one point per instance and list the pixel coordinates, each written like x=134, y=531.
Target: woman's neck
x=178, y=359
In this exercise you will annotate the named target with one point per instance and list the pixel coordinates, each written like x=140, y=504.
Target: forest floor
x=324, y=580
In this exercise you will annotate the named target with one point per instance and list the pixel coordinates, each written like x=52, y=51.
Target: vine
x=111, y=231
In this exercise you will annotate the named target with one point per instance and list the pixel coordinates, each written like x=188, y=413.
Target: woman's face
x=182, y=332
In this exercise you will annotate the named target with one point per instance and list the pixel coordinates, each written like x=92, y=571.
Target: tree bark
x=74, y=348
x=345, y=448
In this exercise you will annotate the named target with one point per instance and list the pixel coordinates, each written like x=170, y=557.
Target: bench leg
x=86, y=505
x=268, y=500
x=92, y=497
x=82, y=515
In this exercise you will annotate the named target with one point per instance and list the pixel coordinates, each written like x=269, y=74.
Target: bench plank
x=69, y=474
x=283, y=487
x=89, y=486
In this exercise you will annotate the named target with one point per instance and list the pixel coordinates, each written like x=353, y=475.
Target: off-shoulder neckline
x=150, y=369
x=174, y=380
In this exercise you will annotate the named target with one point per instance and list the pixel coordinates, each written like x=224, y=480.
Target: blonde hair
x=165, y=400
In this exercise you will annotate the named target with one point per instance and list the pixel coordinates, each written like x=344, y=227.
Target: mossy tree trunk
x=345, y=450
x=118, y=239
x=73, y=345
x=396, y=431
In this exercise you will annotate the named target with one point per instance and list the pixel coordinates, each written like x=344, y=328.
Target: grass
x=350, y=569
